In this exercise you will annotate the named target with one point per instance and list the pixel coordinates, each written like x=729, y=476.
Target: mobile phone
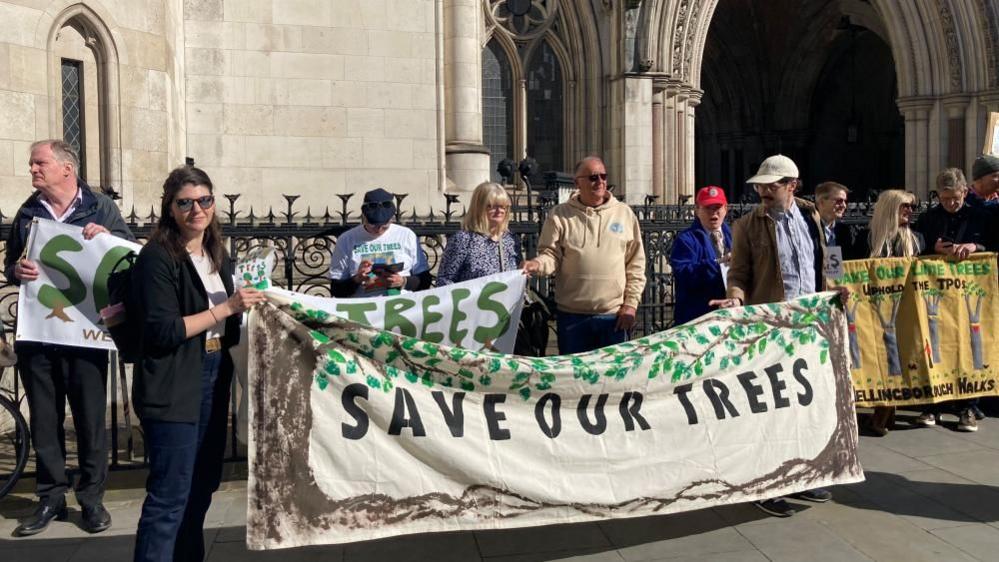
x=386, y=268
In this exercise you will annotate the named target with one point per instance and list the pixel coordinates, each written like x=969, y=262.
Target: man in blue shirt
x=700, y=256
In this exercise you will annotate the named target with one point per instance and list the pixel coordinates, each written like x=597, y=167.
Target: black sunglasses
x=205, y=202
x=594, y=178
x=371, y=205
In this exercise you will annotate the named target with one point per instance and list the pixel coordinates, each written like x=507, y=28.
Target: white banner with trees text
x=358, y=433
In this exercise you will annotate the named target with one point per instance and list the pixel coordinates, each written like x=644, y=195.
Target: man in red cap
x=700, y=256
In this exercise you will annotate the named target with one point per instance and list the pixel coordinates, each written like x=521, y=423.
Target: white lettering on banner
x=366, y=434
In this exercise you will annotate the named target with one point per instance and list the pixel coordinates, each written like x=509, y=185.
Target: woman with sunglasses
x=190, y=313
x=484, y=245
x=891, y=237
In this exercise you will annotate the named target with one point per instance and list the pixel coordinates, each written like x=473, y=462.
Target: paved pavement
x=931, y=494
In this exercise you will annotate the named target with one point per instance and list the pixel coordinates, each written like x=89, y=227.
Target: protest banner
x=478, y=314
x=921, y=329
x=62, y=306
x=358, y=433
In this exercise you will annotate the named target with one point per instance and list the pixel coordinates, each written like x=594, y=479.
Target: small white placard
x=833, y=266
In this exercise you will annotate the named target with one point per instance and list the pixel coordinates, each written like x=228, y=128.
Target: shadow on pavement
x=946, y=501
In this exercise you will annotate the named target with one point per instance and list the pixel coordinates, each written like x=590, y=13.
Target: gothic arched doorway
x=799, y=78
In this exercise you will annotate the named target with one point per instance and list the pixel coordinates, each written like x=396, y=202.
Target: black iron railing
x=304, y=242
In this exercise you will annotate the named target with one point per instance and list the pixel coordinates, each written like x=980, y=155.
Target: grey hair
x=62, y=150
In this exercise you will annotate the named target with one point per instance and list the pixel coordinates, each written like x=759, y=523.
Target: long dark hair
x=167, y=231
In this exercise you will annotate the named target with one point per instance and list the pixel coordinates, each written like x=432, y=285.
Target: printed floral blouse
x=470, y=255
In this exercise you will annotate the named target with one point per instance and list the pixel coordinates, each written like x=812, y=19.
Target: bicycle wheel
x=15, y=443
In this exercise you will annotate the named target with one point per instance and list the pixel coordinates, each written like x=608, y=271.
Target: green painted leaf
x=715, y=330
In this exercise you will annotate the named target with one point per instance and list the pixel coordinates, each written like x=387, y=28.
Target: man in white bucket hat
x=777, y=255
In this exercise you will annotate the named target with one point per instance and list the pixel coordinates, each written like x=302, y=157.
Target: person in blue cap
x=378, y=257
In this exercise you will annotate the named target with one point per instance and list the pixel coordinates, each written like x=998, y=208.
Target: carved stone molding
x=522, y=19
x=990, y=32
x=953, y=50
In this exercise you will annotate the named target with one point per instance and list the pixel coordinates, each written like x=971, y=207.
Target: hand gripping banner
x=922, y=330
x=358, y=433
x=62, y=306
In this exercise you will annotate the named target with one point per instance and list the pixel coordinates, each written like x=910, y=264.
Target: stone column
x=916, y=111
x=687, y=187
x=955, y=150
x=658, y=138
x=466, y=158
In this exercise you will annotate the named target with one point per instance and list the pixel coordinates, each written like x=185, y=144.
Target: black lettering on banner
x=353, y=391
x=718, y=393
x=631, y=403
x=551, y=430
x=753, y=392
x=600, y=425
x=493, y=417
x=454, y=416
x=778, y=386
x=681, y=393
x=798, y=369
x=404, y=404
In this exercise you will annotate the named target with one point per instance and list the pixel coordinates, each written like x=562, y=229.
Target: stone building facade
x=329, y=97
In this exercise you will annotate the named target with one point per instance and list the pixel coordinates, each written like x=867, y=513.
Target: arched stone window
x=83, y=92
x=526, y=47
x=545, y=109
x=497, y=105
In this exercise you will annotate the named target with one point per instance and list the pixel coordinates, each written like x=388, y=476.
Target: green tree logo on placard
x=974, y=296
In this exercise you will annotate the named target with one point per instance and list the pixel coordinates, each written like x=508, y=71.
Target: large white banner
x=62, y=305
x=358, y=433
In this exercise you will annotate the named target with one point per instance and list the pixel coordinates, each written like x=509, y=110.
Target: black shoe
x=979, y=414
x=777, y=508
x=818, y=495
x=46, y=512
x=96, y=518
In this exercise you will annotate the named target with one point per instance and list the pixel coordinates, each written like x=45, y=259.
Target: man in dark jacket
x=698, y=256
x=957, y=229
x=54, y=373
x=830, y=201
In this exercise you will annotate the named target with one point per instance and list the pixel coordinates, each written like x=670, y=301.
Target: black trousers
x=53, y=374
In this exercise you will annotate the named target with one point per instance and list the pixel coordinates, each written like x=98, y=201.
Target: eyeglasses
x=497, y=207
x=205, y=202
x=905, y=206
x=594, y=178
x=776, y=186
x=840, y=201
x=373, y=205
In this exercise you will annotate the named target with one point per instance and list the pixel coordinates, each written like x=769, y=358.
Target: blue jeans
x=578, y=333
x=185, y=468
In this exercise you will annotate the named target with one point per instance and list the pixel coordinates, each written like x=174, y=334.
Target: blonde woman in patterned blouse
x=484, y=245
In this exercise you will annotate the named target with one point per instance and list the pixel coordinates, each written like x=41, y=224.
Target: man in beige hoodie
x=592, y=244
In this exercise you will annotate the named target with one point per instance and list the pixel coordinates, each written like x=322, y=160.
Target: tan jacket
x=596, y=255
x=754, y=275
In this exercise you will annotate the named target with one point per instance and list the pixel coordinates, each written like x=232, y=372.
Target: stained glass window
x=545, y=109
x=497, y=106
x=72, y=109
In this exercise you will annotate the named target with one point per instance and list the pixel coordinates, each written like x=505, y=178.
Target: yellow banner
x=922, y=330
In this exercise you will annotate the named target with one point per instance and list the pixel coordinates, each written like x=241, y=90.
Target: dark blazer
x=696, y=271
x=850, y=240
x=167, y=378
x=969, y=225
